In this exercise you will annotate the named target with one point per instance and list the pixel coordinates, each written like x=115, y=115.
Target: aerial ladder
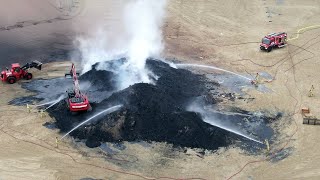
x=76, y=100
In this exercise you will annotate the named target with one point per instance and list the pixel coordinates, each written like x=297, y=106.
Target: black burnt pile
x=150, y=112
x=100, y=83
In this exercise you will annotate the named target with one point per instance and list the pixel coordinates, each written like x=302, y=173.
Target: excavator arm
x=74, y=75
x=34, y=64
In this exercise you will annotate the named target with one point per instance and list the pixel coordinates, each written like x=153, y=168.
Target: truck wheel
x=28, y=76
x=261, y=48
x=269, y=49
x=11, y=80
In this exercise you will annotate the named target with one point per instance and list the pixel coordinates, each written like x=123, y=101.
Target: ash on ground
x=150, y=112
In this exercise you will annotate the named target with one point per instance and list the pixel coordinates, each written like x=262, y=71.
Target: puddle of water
x=23, y=101
x=253, y=126
x=48, y=90
x=50, y=125
x=141, y=143
x=119, y=146
x=106, y=148
x=266, y=75
x=282, y=155
x=279, y=2
x=51, y=89
x=236, y=84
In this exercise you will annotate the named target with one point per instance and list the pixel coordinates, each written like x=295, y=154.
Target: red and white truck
x=273, y=40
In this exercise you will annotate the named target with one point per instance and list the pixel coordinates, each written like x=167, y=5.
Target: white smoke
x=96, y=49
x=142, y=22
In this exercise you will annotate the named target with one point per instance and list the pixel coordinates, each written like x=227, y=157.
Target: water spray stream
x=50, y=102
x=212, y=67
x=235, y=132
x=109, y=110
x=54, y=103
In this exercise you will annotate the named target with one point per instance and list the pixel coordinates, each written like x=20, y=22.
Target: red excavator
x=76, y=101
x=272, y=40
x=16, y=72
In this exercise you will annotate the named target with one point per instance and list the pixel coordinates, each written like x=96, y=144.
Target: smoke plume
x=140, y=38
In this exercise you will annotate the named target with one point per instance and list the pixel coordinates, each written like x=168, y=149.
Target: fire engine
x=273, y=40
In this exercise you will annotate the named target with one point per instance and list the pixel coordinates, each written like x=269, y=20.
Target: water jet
x=109, y=110
x=212, y=67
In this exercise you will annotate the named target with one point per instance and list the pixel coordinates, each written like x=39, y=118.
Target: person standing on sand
x=57, y=142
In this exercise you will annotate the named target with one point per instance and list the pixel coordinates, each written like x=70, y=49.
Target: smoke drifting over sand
x=141, y=22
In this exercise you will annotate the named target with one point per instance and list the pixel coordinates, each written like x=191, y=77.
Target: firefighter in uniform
x=256, y=80
x=29, y=108
x=57, y=142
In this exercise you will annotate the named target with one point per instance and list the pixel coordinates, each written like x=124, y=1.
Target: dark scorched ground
x=150, y=112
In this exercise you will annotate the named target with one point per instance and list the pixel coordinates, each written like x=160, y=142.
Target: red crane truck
x=76, y=101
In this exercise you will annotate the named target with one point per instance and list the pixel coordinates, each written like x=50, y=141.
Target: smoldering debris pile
x=150, y=112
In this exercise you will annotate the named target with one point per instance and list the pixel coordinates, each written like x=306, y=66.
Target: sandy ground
x=220, y=33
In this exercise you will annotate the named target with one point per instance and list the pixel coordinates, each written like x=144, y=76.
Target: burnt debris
x=150, y=112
